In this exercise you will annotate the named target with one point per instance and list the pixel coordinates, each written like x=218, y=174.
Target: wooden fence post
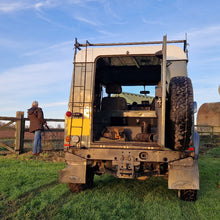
x=19, y=132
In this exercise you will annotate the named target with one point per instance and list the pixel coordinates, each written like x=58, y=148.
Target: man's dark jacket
x=36, y=117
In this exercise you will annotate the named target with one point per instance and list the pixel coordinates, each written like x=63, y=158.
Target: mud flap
x=75, y=171
x=183, y=174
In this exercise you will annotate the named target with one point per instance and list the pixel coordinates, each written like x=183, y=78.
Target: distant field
x=29, y=189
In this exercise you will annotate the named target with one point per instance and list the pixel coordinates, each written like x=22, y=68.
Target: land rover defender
x=130, y=114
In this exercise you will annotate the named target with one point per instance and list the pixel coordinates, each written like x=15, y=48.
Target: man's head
x=35, y=104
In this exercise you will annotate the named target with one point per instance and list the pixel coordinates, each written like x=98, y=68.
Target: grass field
x=29, y=189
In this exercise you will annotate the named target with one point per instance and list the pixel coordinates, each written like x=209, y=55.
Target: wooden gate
x=19, y=133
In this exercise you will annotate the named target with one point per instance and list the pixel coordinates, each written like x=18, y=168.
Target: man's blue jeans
x=37, y=142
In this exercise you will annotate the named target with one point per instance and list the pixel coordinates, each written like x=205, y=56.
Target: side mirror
x=194, y=107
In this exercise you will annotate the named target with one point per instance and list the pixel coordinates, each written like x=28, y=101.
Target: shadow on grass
x=139, y=189
x=10, y=206
x=53, y=208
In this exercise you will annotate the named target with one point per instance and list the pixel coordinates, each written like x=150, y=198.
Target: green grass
x=29, y=189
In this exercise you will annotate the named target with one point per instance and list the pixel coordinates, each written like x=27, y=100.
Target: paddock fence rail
x=15, y=137
x=209, y=135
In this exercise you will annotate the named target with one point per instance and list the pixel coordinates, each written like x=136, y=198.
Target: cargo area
x=125, y=108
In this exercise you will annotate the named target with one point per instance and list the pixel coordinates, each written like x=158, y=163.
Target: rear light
x=67, y=139
x=75, y=139
x=68, y=113
x=191, y=148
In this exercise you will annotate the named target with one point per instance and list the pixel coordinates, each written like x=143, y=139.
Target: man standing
x=36, y=117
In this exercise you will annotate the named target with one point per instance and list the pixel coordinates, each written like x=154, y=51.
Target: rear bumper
x=114, y=154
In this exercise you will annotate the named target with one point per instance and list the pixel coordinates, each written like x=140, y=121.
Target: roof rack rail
x=78, y=45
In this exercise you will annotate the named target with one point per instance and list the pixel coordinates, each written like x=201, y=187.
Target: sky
x=37, y=41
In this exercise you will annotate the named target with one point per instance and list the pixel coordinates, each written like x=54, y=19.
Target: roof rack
x=78, y=45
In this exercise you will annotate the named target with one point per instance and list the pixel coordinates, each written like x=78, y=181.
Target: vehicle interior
x=125, y=101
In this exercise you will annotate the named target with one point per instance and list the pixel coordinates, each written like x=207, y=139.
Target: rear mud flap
x=75, y=172
x=183, y=174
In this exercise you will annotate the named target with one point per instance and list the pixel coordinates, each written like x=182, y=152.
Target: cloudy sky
x=37, y=37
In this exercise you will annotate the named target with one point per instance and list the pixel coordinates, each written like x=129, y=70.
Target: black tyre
x=78, y=187
x=89, y=176
x=180, y=113
x=189, y=195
